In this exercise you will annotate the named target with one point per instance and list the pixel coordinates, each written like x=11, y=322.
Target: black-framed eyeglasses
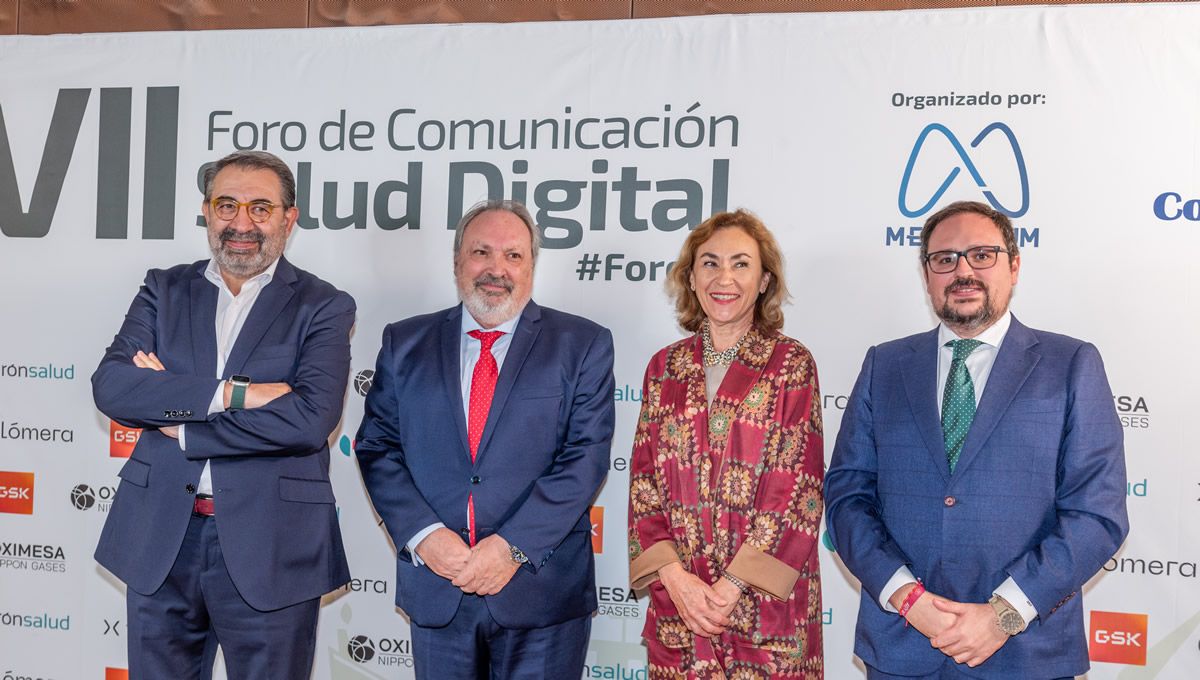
x=227, y=209
x=979, y=257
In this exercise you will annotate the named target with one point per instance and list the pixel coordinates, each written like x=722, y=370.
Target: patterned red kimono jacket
x=736, y=487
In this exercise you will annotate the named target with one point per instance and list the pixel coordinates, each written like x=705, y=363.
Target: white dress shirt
x=979, y=365
x=232, y=311
x=468, y=356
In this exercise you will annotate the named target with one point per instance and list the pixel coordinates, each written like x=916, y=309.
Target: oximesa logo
x=16, y=492
x=617, y=601
x=1133, y=410
x=97, y=497
x=966, y=162
x=43, y=557
x=385, y=651
x=121, y=439
x=1117, y=637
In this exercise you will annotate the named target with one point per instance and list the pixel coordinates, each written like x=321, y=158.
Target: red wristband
x=913, y=595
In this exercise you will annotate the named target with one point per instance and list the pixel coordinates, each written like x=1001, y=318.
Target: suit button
x=475, y=479
x=949, y=501
x=190, y=488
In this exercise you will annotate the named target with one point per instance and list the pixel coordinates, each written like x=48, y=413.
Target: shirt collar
x=213, y=273
x=470, y=324
x=993, y=336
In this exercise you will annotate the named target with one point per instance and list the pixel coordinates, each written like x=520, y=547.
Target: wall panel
x=41, y=17
x=8, y=17
x=377, y=12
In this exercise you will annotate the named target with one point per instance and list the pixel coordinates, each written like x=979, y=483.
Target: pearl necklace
x=711, y=356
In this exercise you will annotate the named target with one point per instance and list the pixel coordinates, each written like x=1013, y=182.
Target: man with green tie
x=978, y=480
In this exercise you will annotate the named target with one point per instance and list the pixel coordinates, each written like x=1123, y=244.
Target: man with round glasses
x=978, y=479
x=224, y=527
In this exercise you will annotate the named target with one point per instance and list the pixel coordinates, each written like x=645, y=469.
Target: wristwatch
x=1006, y=617
x=517, y=556
x=237, y=396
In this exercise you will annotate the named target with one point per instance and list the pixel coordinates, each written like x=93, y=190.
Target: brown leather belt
x=203, y=506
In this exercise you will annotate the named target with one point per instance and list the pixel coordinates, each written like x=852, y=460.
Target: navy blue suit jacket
x=1038, y=494
x=542, y=457
x=275, y=511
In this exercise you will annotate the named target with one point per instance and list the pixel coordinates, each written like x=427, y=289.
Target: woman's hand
x=725, y=590
x=703, y=611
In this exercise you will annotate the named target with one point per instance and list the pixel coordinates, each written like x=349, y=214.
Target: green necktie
x=958, y=400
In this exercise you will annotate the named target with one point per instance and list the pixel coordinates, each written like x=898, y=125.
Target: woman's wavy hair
x=768, y=308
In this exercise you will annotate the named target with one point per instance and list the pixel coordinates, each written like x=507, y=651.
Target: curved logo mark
x=969, y=165
x=360, y=648
x=82, y=497
x=363, y=381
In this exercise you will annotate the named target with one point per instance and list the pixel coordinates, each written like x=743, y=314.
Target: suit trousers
x=175, y=632
x=948, y=671
x=474, y=647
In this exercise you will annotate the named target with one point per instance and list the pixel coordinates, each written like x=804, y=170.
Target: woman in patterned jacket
x=725, y=488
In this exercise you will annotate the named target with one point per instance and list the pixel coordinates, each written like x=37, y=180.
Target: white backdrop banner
x=842, y=131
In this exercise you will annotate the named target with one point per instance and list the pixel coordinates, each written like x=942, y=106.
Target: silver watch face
x=517, y=556
x=1011, y=622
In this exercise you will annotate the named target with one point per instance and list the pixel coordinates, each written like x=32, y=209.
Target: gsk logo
x=113, y=158
x=16, y=492
x=116, y=674
x=121, y=440
x=596, y=516
x=1117, y=637
x=1010, y=208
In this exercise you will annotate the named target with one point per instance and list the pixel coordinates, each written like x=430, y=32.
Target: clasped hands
x=257, y=394
x=968, y=633
x=704, y=609
x=482, y=570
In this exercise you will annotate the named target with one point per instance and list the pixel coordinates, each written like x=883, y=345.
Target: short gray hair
x=254, y=160
x=507, y=205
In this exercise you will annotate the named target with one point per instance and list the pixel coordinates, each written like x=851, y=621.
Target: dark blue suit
x=1038, y=495
x=542, y=458
x=278, y=528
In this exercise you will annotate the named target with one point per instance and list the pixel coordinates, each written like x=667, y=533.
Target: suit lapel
x=1014, y=363
x=266, y=309
x=526, y=333
x=920, y=385
x=450, y=349
x=202, y=319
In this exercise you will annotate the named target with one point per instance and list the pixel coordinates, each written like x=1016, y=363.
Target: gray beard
x=489, y=312
x=246, y=266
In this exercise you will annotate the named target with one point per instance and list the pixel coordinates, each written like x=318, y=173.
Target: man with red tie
x=485, y=438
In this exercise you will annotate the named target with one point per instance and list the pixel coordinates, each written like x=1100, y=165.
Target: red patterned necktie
x=483, y=385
